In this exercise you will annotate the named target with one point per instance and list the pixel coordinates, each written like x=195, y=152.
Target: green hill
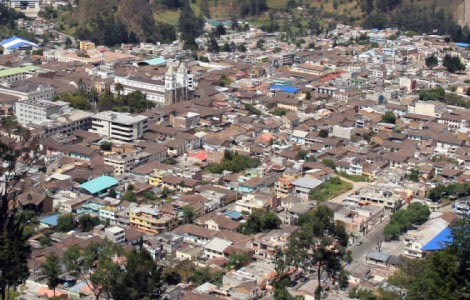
x=111, y=22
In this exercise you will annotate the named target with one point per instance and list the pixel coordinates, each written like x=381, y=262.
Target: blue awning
x=440, y=241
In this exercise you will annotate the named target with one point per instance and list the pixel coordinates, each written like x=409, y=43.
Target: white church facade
x=177, y=86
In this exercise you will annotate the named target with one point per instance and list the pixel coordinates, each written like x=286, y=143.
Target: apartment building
x=385, y=198
x=121, y=127
x=115, y=234
x=151, y=219
x=39, y=111
x=124, y=162
x=28, y=90
x=21, y=73
x=30, y=8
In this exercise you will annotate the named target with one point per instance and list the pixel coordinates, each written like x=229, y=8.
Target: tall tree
x=431, y=61
x=17, y=157
x=189, y=26
x=320, y=244
x=51, y=269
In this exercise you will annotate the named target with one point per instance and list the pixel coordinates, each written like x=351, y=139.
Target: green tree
x=190, y=26
x=329, y=163
x=14, y=246
x=65, y=223
x=260, y=221
x=87, y=222
x=226, y=48
x=403, y=220
x=51, y=269
x=188, y=214
x=280, y=112
x=431, y=61
x=453, y=63
x=308, y=96
x=413, y=175
x=220, y=30
x=238, y=260
x=213, y=45
x=321, y=243
x=323, y=133
x=389, y=117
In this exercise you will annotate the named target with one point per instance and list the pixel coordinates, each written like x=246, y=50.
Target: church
x=176, y=86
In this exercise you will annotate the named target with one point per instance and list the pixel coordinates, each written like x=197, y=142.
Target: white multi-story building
x=122, y=127
x=123, y=163
x=30, y=8
x=115, y=234
x=39, y=111
x=427, y=108
x=28, y=91
x=176, y=87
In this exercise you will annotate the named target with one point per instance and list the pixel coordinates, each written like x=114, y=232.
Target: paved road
x=369, y=242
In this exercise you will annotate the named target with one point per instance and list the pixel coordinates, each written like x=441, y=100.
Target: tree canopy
x=453, y=63
x=321, y=244
x=260, y=221
x=403, y=220
x=234, y=162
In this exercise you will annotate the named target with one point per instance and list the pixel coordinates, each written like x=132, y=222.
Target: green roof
x=19, y=70
x=99, y=184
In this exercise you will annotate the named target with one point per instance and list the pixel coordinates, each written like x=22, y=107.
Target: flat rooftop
x=123, y=118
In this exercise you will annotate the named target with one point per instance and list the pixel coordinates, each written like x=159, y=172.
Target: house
x=250, y=203
x=37, y=202
x=216, y=247
x=304, y=185
x=378, y=258
x=221, y=222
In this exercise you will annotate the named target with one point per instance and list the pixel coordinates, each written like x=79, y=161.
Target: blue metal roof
x=233, y=214
x=284, y=88
x=464, y=45
x=99, y=184
x=157, y=61
x=51, y=220
x=16, y=42
x=440, y=241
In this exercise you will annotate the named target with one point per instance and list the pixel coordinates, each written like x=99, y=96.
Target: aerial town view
x=235, y=149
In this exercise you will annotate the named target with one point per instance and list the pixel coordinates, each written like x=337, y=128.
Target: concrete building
x=20, y=73
x=122, y=127
x=151, y=219
x=28, y=91
x=115, y=234
x=124, y=162
x=39, y=111
x=30, y=8
x=428, y=108
x=343, y=132
x=304, y=185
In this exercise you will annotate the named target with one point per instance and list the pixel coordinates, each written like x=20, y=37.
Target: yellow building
x=87, y=45
x=150, y=219
x=156, y=178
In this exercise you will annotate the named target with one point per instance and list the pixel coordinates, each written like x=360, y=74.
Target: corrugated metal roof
x=98, y=184
x=440, y=241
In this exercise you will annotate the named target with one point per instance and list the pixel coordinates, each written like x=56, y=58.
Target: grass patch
x=355, y=178
x=169, y=16
x=330, y=189
x=277, y=4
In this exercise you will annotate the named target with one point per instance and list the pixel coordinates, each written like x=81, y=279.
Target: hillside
x=112, y=22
